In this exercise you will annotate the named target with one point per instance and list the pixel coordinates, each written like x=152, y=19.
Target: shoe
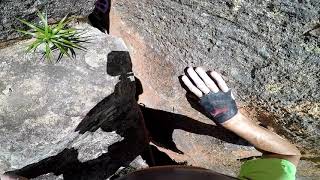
x=99, y=18
x=98, y=21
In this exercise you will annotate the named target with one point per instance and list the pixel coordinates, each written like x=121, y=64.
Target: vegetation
x=54, y=37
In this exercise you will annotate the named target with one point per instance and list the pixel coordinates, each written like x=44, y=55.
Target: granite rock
x=69, y=117
x=10, y=10
x=267, y=51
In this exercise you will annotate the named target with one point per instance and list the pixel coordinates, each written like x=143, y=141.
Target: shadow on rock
x=161, y=125
x=118, y=112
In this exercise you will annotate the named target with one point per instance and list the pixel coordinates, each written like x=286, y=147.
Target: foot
x=98, y=21
x=100, y=16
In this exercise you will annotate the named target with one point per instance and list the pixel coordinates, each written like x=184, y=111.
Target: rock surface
x=10, y=10
x=77, y=118
x=268, y=51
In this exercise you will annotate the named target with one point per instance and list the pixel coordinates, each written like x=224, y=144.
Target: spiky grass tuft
x=54, y=37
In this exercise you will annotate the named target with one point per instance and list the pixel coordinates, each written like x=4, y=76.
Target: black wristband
x=220, y=106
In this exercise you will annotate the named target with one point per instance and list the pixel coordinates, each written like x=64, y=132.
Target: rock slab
x=76, y=113
x=268, y=52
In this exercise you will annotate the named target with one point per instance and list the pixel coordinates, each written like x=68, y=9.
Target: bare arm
x=216, y=99
x=271, y=144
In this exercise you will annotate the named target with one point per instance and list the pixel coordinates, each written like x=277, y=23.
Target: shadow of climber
x=137, y=124
x=118, y=112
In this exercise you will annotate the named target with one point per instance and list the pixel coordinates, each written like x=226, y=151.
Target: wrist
x=235, y=121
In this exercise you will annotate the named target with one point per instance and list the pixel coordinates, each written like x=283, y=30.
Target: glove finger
x=207, y=80
x=191, y=87
x=198, y=81
x=221, y=83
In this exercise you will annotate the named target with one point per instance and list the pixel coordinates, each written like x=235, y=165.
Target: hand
x=215, y=96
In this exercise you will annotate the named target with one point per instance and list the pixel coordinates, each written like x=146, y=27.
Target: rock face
x=77, y=118
x=268, y=51
x=10, y=10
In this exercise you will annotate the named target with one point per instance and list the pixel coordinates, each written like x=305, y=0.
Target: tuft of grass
x=54, y=37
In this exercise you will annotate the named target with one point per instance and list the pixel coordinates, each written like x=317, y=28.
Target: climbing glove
x=215, y=96
x=220, y=106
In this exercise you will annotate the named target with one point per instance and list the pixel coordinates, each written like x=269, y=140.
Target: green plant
x=54, y=37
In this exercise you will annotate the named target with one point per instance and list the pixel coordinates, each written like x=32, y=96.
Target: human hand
x=215, y=96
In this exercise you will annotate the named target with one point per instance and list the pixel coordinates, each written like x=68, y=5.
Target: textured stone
x=48, y=177
x=11, y=9
x=75, y=114
x=268, y=52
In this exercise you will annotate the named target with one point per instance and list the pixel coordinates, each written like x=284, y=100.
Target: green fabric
x=268, y=169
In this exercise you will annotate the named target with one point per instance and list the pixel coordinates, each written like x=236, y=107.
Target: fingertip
x=214, y=73
x=220, y=81
x=190, y=86
x=190, y=69
x=184, y=78
x=199, y=69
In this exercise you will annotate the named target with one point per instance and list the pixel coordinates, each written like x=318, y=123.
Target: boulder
x=77, y=118
x=10, y=10
x=268, y=52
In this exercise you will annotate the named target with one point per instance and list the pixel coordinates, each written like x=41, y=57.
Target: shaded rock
x=136, y=164
x=261, y=48
x=49, y=177
x=78, y=118
x=10, y=10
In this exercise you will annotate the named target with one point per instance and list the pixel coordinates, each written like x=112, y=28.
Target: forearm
x=217, y=100
x=260, y=137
